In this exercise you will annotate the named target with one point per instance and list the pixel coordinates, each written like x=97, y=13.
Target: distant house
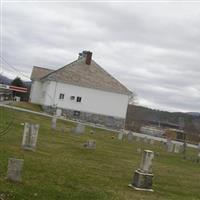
x=152, y=130
x=83, y=90
x=5, y=93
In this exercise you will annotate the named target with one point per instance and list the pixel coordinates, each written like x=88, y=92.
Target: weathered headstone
x=139, y=150
x=151, y=141
x=157, y=154
x=15, y=167
x=130, y=136
x=53, y=123
x=138, y=139
x=145, y=140
x=162, y=142
x=196, y=159
x=170, y=146
x=90, y=144
x=58, y=112
x=120, y=135
x=177, y=148
x=62, y=130
x=183, y=149
x=146, y=163
x=79, y=129
x=92, y=132
x=199, y=149
x=143, y=177
x=29, y=140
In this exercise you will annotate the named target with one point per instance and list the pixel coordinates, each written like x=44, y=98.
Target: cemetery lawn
x=27, y=105
x=61, y=168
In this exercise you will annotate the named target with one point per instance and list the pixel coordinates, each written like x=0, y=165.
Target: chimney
x=88, y=58
x=87, y=55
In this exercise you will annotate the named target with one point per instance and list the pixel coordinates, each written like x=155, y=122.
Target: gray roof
x=90, y=76
x=39, y=72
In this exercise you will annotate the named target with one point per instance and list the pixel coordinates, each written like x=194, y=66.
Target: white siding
x=36, y=92
x=93, y=101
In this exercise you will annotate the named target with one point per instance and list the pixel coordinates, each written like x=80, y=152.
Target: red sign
x=18, y=89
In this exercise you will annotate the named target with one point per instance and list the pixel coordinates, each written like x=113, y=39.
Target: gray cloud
x=151, y=47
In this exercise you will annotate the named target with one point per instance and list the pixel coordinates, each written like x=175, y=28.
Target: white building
x=152, y=130
x=83, y=90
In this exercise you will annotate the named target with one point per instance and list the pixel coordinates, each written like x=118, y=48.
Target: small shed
x=16, y=98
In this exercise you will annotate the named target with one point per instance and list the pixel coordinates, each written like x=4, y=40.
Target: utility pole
x=181, y=127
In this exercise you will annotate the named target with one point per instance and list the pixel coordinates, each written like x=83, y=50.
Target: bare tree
x=132, y=98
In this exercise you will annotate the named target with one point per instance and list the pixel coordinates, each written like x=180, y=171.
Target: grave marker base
x=28, y=148
x=140, y=189
x=142, y=181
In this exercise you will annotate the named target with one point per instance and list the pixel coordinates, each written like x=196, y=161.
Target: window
x=61, y=96
x=78, y=99
x=72, y=97
x=77, y=113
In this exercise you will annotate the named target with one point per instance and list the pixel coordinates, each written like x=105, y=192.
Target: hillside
x=196, y=114
x=61, y=168
x=5, y=80
x=139, y=115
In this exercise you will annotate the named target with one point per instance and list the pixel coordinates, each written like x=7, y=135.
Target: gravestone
x=162, y=142
x=143, y=177
x=139, y=150
x=138, y=139
x=183, y=149
x=177, y=148
x=91, y=132
x=151, y=141
x=146, y=163
x=145, y=140
x=157, y=154
x=130, y=136
x=15, y=169
x=196, y=160
x=53, y=123
x=79, y=129
x=120, y=136
x=90, y=144
x=199, y=149
x=30, y=135
x=62, y=130
x=58, y=112
x=170, y=146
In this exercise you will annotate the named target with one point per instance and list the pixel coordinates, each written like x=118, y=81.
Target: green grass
x=62, y=169
x=27, y=105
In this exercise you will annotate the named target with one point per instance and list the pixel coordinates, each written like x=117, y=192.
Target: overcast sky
x=152, y=48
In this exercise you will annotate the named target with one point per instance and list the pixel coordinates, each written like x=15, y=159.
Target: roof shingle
x=39, y=72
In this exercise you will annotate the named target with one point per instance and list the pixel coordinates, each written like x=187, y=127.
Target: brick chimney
x=88, y=58
x=87, y=55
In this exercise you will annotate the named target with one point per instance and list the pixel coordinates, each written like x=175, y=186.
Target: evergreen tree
x=19, y=83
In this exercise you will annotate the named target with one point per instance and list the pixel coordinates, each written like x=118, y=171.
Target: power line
x=17, y=70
